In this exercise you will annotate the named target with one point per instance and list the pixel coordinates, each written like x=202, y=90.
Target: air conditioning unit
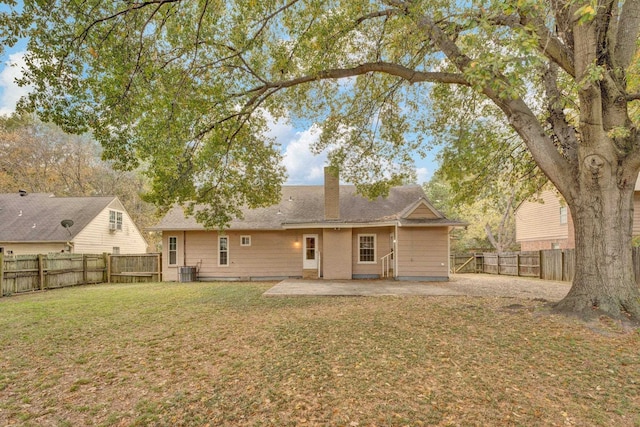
x=113, y=227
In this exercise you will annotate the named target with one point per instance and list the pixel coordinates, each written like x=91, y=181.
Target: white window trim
x=242, y=238
x=219, y=251
x=564, y=214
x=169, y=250
x=117, y=225
x=375, y=244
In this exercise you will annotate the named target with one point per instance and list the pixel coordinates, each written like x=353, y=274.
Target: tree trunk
x=604, y=281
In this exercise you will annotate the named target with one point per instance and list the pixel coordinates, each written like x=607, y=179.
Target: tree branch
x=381, y=13
x=411, y=76
x=628, y=31
x=130, y=8
x=520, y=116
x=565, y=133
x=550, y=45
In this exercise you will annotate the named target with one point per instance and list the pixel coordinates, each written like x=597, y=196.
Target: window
x=555, y=246
x=563, y=214
x=173, y=250
x=366, y=248
x=245, y=240
x=115, y=220
x=223, y=250
x=116, y=250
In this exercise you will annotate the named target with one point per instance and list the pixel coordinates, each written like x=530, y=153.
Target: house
x=42, y=223
x=316, y=231
x=545, y=223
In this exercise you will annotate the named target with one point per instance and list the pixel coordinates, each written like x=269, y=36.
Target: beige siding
x=170, y=272
x=383, y=247
x=423, y=253
x=540, y=221
x=97, y=238
x=336, y=260
x=271, y=254
x=636, y=213
x=422, y=212
x=32, y=248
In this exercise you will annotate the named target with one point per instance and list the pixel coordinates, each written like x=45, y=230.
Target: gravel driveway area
x=507, y=286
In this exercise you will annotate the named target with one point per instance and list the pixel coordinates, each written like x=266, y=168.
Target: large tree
x=187, y=88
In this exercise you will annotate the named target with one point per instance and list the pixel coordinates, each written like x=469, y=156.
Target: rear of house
x=325, y=232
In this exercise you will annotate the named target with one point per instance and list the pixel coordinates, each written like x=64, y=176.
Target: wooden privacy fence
x=26, y=273
x=552, y=264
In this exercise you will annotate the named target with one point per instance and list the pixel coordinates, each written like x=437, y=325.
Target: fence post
x=84, y=269
x=1, y=274
x=107, y=268
x=498, y=261
x=159, y=267
x=41, y=271
x=540, y=275
x=518, y=264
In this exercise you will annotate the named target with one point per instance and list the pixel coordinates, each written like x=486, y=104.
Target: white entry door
x=310, y=251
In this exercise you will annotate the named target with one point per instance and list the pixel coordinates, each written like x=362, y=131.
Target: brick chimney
x=331, y=193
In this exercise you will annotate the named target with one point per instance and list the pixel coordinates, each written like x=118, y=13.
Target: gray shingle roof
x=305, y=205
x=36, y=217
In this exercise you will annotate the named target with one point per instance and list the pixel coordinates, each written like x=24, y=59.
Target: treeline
x=40, y=158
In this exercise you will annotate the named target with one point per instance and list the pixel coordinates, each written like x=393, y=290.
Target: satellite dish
x=66, y=223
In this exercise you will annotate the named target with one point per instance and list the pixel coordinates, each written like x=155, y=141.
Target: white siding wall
x=32, y=248
x=97, y=238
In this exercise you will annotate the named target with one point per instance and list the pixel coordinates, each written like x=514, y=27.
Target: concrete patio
x=484, y=285
x=299, y=287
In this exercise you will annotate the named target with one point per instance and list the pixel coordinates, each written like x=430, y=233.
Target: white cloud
x=304, y=167
x=10, y=92
x=423, y=175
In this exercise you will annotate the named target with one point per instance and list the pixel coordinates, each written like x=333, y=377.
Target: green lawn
x=221, y=354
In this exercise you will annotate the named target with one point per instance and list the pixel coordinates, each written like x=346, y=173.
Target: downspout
x=449, y=251
x=184, y=248
x=395, y=252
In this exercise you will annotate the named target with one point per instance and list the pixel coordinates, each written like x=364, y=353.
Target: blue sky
x=303, y=167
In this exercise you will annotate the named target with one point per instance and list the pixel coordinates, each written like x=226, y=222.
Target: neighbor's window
x=116, y=250
x=223, y=250
x=173, y=250
x=245, y=240
x=115, y=220
x=366, y=248
x=563, y=214
x=555, y=246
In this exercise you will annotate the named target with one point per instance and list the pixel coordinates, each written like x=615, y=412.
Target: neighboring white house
x=42, y=223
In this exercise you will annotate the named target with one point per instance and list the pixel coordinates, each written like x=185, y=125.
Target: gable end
x=422, y=210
